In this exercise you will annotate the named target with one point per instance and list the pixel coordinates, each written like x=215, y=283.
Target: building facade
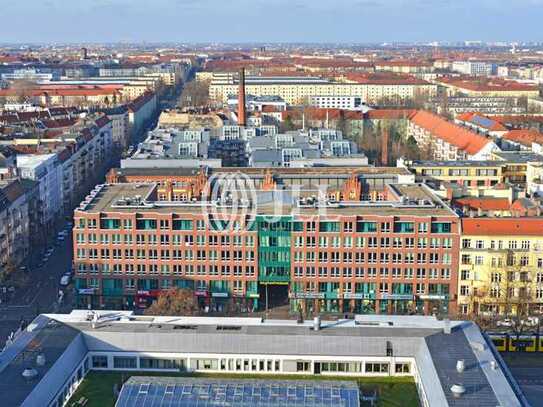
x=297, y=90
x=392, y=250
x=445, y=140
x=501, y=267
x=47, y=171
x=16, y=205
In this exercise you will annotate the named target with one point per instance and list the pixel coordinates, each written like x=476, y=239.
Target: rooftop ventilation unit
x=317, y=323
x=460, y=366
x=447, y=326
x=40, y=360
x=458, y=390
x=29, y=373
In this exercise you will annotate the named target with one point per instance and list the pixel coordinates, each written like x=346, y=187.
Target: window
x=153, y=363
x=405, y=227
x=376, y=367
x=146, y=224
x=441, y=227
x=402, y=368
x=99, y=362
x=366, y=227
x=124, y=362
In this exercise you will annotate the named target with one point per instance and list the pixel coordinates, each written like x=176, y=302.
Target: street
x=41, y=293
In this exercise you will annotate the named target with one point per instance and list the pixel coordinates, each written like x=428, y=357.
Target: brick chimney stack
x=242, y=116
x=384, y=149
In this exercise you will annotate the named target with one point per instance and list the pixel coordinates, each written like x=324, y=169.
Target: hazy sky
x=269, y=20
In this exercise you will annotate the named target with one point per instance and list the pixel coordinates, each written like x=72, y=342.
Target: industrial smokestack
x=384, y=149
x=241, y=98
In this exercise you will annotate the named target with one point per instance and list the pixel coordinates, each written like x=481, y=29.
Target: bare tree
x=195, y=94
x=509, y=293
x=23, y=89
x=174, y=302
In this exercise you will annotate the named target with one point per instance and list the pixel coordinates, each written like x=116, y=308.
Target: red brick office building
x=395, y=253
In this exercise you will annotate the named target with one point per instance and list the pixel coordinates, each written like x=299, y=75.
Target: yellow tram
x=508, y=342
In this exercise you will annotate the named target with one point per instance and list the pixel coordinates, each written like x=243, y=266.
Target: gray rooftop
x=417, y=200
x=518, y=157
x=53, y=341
x=66, y=339
x=460, y=163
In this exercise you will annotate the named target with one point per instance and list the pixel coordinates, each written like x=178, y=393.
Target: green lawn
x=393, y=391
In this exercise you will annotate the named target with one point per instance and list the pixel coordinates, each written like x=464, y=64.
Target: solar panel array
x=483, y=121
x=185, y=392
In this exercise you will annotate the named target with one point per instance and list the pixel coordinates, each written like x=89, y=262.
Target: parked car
x=65, y=280
x=505, y=323
x=531, y=321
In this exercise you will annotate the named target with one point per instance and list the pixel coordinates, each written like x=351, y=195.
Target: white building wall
x=47, y=170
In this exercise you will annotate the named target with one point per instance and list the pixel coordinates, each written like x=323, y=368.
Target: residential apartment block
x=296, y=90
x=501, y=267
x=17, y=211
x=446, y=140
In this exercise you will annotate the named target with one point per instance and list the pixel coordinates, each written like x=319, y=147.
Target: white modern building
x=452, y=362
x=339, y=102
x=474, y=68
x=28, y=74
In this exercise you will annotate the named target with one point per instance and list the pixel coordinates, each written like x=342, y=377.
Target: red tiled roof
x=58, y=123
x=314, y=113
x=454, y=134
x=270, y=109
x=61, y=92
x=502, y=226
x=404, y=63
x=384, y=79
x=393, y=114
x=524, y=137
x=486, y=204
x=465, y=117
x=516, y=119
x=471, y=116
x=487, y=84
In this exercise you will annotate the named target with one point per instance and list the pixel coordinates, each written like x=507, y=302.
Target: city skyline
x=346, y=21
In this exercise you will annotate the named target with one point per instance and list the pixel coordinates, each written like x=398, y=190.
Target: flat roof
x=518, y=157
x=51, y=341
x=461, y=163
x=341, y=172
x=425, y=339
x=418, y=201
